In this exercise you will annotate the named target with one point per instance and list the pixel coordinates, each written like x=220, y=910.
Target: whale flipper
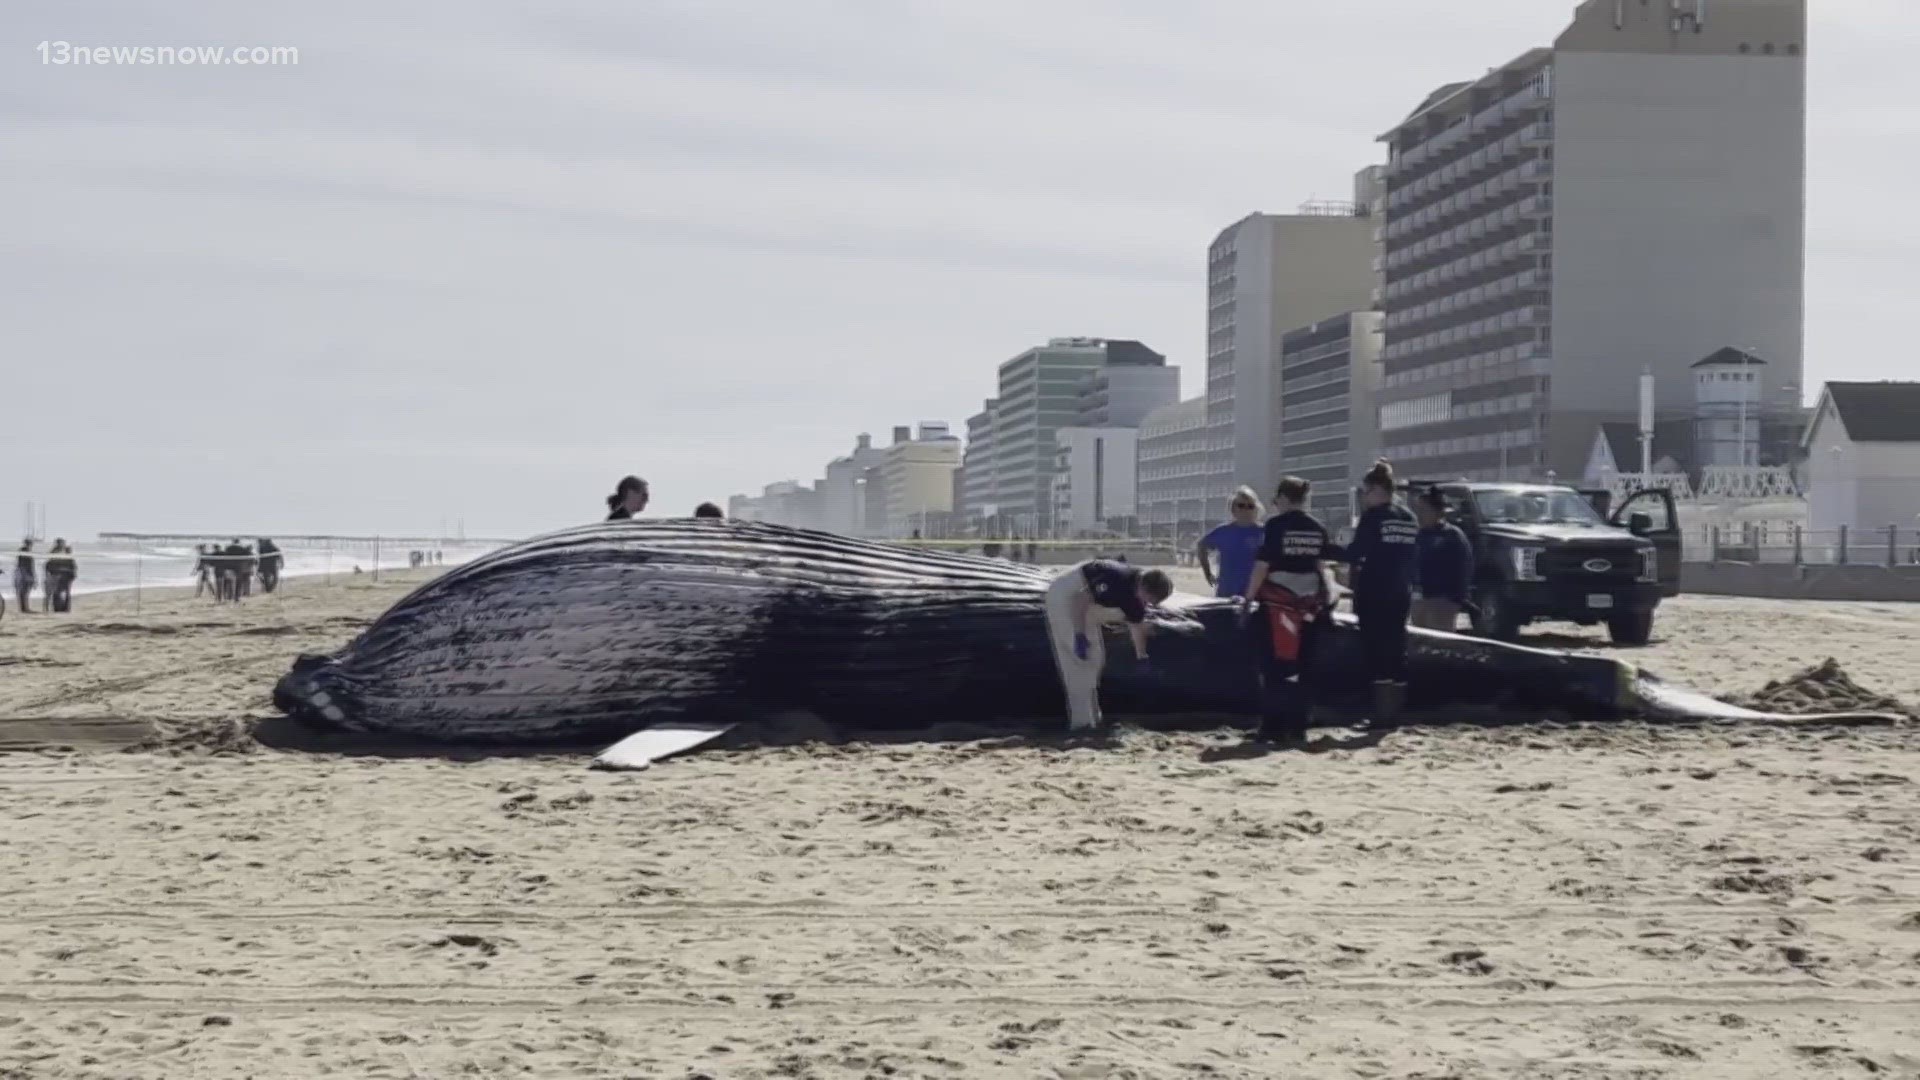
x=644, y=747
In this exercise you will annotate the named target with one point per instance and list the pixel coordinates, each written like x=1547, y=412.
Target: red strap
x=1288, y=614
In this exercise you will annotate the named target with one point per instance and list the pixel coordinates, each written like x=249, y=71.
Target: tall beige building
x=917, y=475
x=1268, y=274
x=1632, y=196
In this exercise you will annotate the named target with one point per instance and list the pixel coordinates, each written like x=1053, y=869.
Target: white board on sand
x=643, y=748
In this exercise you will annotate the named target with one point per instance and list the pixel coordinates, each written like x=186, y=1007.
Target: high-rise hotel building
x=1632, y=196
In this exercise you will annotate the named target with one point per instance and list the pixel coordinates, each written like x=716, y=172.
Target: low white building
x=1094, y=474
x=1863, y=460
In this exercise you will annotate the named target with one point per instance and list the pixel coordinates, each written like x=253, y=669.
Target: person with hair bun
x=1382, y=556
x=629, y=498
x=1289, y=581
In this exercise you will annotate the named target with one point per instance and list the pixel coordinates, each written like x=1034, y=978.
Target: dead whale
x=594, y=633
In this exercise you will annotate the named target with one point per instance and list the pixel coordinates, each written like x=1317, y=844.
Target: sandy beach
x=1535, y=900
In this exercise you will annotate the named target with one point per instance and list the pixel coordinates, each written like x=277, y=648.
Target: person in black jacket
x=1444, y=567
x=23, y=576
x=61, y=570
x=629, y=498
x=270, y=560
x=1382, y=557
x=1289, y=581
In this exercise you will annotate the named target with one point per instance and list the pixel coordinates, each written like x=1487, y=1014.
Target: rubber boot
x=1388, y=697
x=1383, y=706
x=1283, y=715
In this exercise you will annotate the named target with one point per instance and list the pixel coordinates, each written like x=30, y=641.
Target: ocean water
x=125, y=564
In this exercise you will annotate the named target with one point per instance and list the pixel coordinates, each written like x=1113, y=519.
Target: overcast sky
x=477, y=260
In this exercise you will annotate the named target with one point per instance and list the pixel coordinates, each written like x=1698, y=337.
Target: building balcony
x=1451, y=192
x=1491, y=252
x=1458, y=343
x=1339, y=403
x=1467, y=286
x=1463, y=309
x=1313, y=382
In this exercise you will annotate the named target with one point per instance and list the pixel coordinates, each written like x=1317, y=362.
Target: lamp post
x=1747, y=357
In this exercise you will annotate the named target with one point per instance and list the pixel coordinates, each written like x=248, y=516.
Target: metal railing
x=1793, y=545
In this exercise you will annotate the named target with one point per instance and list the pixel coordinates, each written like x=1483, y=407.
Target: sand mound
x=1824, y=688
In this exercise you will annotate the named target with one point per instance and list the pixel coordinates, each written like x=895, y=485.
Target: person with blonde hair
x=1237, y=544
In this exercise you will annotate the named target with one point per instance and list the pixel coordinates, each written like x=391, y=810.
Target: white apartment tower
x=1633, y=196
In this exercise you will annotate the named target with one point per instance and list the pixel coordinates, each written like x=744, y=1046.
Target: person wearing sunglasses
x=1237, y=543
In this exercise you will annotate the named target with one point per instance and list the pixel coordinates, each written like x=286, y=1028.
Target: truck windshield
x=1535, y=506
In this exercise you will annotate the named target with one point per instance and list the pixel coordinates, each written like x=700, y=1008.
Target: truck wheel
x=1496, y=619
x=1631, y=628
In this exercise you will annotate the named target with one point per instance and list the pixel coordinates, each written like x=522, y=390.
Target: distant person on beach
x=629, y=498
x=1078, y=604
x=233, y=571
x=1237, y=543
x=708, y=510
x=23, y=578
x=61, y=570
x=203, y=572
x=270, y=562
x=249, y=566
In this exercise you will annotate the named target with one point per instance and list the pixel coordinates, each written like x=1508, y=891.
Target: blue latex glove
x=1081, y=645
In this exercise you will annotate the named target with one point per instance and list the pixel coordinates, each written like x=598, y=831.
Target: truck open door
x=1653, y=514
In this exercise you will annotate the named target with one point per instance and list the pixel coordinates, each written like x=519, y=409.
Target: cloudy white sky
x=477, y=260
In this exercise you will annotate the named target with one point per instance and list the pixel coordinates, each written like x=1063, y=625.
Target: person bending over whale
x=708, y=510
x=1079, y=603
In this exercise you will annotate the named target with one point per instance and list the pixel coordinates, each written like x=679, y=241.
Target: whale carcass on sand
x=602, y=631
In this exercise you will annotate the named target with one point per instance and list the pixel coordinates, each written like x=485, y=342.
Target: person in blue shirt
x=1078, y=603
x=1444, y=568
x=1237, y=543
x=1382, y=557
